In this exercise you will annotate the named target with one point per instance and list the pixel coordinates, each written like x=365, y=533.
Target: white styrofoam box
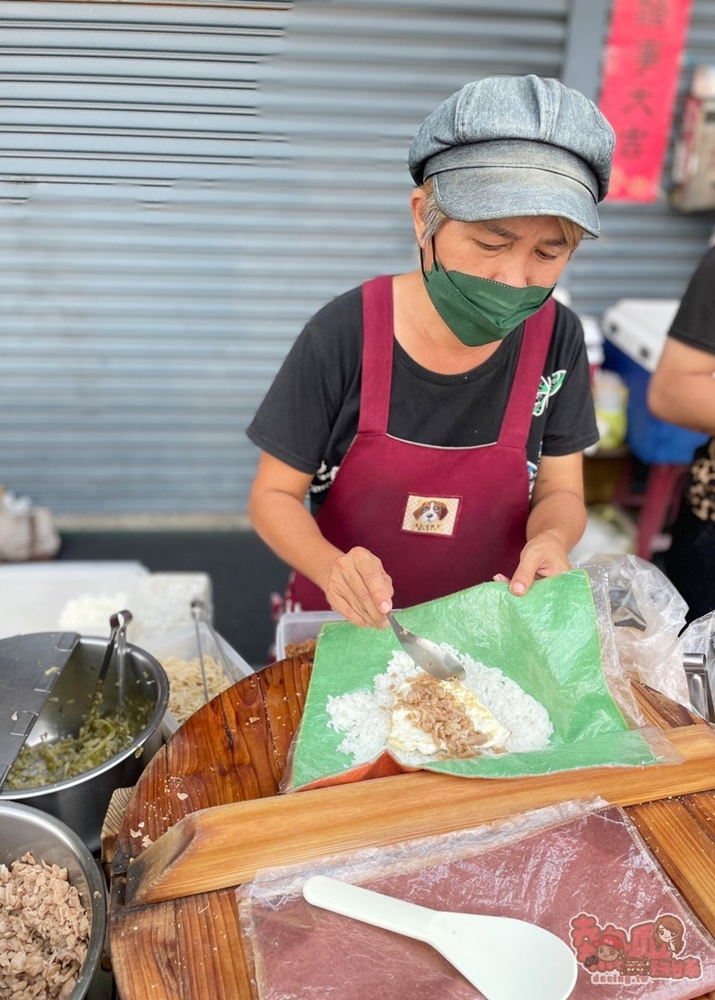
x=163, y=603
x=184, y=645
x=33, y=596
x=80, y=597
x=638, y=327
x=299, y=626
x=159, y=603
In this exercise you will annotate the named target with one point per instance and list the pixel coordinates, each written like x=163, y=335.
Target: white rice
x=365, y=716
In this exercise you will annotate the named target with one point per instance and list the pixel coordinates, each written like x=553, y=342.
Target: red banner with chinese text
x=640, y=82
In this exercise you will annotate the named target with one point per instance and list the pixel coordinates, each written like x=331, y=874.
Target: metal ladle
x=428, y=656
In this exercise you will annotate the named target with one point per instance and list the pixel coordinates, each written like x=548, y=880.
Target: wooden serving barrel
x=175, y=860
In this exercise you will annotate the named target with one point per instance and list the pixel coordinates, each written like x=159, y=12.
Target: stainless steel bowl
x=82, y=802
x=24, y=828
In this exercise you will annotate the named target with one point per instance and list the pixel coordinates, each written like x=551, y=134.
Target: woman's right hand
x=359, y=588
x=354, y=582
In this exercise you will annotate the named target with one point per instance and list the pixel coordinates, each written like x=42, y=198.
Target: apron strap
x=377, y=354
x=535, y=340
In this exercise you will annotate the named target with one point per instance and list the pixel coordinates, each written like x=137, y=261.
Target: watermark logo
x=654, y=949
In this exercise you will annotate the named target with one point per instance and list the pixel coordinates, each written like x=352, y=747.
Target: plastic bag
x=579, y=869
x=28, y=535
x=647, y=614
x=26, y=532
x=549, y=652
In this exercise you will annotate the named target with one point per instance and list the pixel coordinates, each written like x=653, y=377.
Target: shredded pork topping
x=44, y=930
x=429, y=705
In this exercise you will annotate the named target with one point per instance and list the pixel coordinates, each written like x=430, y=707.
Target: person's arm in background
x=682, y=388
x=354, y=583
x=556, y=522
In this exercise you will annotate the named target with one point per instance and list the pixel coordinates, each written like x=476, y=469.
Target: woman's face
x=522, y=251
x=664, y=934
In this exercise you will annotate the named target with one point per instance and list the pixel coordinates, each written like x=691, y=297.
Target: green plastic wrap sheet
x=547, y=641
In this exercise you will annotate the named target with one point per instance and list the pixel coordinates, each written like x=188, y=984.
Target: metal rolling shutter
x=180, y=187
x=135, y=169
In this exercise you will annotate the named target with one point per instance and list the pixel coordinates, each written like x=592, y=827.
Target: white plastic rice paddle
x=505, y=959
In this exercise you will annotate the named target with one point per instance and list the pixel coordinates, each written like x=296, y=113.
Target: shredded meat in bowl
x=44, y=930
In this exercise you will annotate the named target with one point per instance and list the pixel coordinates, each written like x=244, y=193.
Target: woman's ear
x=417, y=199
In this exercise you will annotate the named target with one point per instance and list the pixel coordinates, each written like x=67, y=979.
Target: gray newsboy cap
x=516, y=145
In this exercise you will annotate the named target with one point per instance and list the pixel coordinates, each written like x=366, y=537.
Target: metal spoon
x=427, y=654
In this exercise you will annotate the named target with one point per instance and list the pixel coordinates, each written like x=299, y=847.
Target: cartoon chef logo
x=430, y=515
x=609, y=948
x=654, y=949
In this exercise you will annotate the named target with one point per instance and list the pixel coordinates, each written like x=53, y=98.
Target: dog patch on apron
x=431, y=515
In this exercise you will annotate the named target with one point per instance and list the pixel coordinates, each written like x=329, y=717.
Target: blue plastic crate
x=651, y=440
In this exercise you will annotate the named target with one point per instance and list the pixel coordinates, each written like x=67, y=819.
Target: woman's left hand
x=543, y=555
x=556, y=522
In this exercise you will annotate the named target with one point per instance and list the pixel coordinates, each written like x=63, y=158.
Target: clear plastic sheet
x=556, y=643
x=647, y=614
x=579, y=869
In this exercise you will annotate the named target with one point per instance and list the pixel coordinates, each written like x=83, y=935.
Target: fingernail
x=518, y=588
x=385, y=607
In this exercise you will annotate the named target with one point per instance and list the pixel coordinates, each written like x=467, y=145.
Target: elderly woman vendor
x=437, y=418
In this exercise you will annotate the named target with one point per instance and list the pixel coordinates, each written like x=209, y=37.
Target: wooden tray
x=234, y=750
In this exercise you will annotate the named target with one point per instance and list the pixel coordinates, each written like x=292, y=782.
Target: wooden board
x=234, y=751
x=201, y=852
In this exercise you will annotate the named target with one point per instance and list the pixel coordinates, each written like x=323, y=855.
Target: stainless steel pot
x=24, y=828
x=82, y=802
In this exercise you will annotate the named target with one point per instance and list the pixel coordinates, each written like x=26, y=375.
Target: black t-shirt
x=309, y=416
x=694, y=324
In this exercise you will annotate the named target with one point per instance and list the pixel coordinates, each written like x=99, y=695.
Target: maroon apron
x=440, y=519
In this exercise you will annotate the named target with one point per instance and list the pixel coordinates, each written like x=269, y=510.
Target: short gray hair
x=433, y=218
x=432, y=215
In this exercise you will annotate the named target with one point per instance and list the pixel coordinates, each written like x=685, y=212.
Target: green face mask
x=479, y=311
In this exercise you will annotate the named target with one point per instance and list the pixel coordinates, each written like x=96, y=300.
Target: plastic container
x=183, y=645
x=635, y=332
x=610, y=397
x=593, y=338
x=299, y=626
